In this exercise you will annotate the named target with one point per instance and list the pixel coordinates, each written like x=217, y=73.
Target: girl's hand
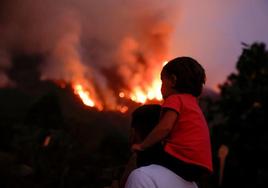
x=136, y=148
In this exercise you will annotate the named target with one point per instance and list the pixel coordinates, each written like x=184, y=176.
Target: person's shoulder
x=184, y=99
x=153, y=170
x=138, y=178
x=173, y=102
x=160, y=176
x=180, y=97
x=184, y=96
x=147, y=171
x=172, y=99
x=173, y=96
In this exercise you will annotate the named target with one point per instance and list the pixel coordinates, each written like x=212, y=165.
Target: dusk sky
x=129, y=38
x=212, y=31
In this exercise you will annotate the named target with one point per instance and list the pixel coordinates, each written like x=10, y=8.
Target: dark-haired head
x=144, y=119
x=186, y=75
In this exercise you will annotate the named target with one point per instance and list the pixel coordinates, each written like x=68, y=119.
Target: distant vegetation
x=53, y=140
x=239, y=119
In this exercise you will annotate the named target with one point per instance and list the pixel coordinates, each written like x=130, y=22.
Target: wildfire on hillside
x=137, y=94
x=108, y=62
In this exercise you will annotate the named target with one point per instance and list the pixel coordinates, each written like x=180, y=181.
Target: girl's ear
x=173, y=80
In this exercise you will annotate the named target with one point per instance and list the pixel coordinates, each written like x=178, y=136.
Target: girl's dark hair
x=190, y=75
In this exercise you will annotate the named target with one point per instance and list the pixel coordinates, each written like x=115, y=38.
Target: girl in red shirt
x=182, y=127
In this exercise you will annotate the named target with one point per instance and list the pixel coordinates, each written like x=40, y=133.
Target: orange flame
x=152, y=92
x=138, y=94
x=46, y=141
x=122, y=109
x=84, y=95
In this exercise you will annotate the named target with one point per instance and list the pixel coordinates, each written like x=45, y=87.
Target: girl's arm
x=162, y=129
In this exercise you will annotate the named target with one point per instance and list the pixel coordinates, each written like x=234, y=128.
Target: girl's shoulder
x=184, y=96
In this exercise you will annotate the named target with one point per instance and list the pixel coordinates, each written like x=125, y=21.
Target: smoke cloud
x=117, y=45
x=105, y=46
x=5, y=64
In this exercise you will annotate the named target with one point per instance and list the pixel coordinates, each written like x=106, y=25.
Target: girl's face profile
x=167, y=85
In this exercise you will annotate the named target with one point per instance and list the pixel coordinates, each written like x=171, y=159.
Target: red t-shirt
x=189, y=140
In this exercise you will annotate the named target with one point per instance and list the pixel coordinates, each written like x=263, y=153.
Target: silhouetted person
x=149, y=173
x=182, y=128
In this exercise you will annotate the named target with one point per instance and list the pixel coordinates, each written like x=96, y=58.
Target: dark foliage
x=48, y=138
x=239, y=120
x=52, y=140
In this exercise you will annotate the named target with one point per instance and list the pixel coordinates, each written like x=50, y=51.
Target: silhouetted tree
x=240, y=120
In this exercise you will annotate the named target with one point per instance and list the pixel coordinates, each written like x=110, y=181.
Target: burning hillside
x=108, y=56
